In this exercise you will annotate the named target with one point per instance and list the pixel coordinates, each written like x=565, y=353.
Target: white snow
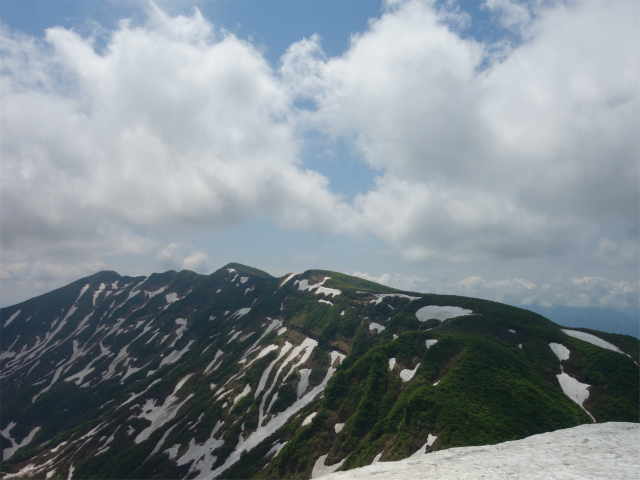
x=8, y=452
x=325, y=301
x=276, y=449
x=153, y=293
x=376, y=326
x=318, y=287
x=572, y=388
x=201, y=455
x=241, y=312
x=98, y=292
x=235, y=335
x=328, y=291
x=335, y=355
x=173, y=451
x=423, y=449
x=407, y=374
x=309, y=419
x=304, y=381
x=83, y=290
x=172, y=297
x=244, y=279
x=131, y=295
x=182, y=327
x=585, y=452
x=576, y=391
x=289, y=277
x=159, y=415
x=265, y=375
x=244, y=393
x=376, y=459
x=12, y=318
x=441, y=313
x=162, y=439
x=338, y=427
x=210, y=367
x=430, y=343
x=174, y=356
x=392, y=363
x=136, y=395
x=273, y=325
x=587, y=337
x=560, y=350
x=282, y=330
x=320, y=469
x=512, y=330
x=382, y=296
x=276, y=422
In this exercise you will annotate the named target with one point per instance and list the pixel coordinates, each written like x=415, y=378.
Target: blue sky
x=484, y=148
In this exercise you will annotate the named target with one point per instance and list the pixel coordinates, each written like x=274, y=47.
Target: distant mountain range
x=239, y=374
x=604, y=319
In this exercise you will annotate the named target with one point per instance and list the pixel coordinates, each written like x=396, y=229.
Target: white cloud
x=197, y=261
x=565, y=291
x=530, y=156
x=484, y=153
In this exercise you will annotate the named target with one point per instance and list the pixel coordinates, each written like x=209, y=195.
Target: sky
x=482, y=148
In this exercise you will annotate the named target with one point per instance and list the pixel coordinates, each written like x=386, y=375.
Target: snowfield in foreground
x=592, y=451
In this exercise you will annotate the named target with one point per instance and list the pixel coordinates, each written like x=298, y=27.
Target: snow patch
x=304, y=381
x=376, y=326
x=382, y=296
x=318, y=287
x=320, y=469
x=172, y=298
x=174, y=356
x=572, y=388
x=423, y=449
x=430, y=343
x=210, y=367
x=392, y=363
x=591, y=451
x=12, y=318
x=587, y=337
x=241, y=312
x=8, y=452
x=338, y=427
x=163, y=413
x=289, y=277
x=98, y=292
x=309, y=419
x=441, y=313
x=560, y=350
x=407, y=374
x=83, y=290
x=335, y=355
x=244, y=393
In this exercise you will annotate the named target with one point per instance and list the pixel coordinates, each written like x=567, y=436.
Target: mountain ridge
x=181, y=375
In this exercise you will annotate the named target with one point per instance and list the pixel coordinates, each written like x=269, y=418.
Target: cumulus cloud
x=500, y=152
x=172, y=122
x=560, y=291
x=528, y=156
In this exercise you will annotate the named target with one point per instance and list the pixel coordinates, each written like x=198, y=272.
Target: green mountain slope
x=239, y=374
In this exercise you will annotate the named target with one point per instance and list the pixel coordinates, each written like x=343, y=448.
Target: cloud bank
x=502, y=151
